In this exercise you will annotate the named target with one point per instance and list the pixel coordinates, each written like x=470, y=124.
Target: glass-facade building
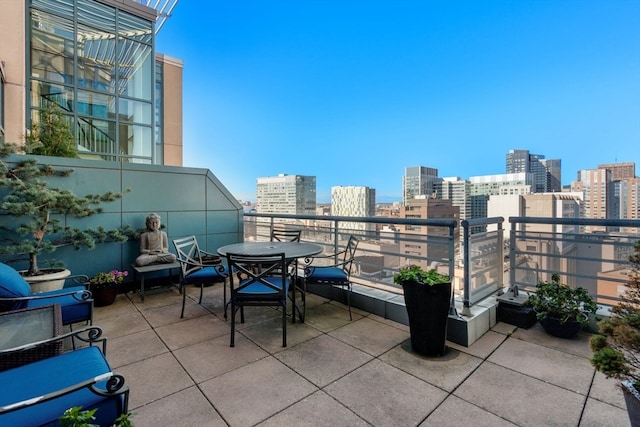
x=96, y=60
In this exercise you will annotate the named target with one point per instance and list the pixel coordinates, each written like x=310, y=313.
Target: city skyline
x=353, y=93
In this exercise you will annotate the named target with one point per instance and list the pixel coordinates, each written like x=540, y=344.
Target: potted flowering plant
x=104, y=286
x=427, y=296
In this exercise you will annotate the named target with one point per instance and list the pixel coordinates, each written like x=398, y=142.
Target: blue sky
x=354, y=91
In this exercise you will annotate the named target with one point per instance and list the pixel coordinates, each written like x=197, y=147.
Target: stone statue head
x=153, y=221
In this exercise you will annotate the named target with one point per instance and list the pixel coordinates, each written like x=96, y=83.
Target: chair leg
x=284, y=321
x=233, y=325
x=349, y=300
x=201, y=289
x=184, y=297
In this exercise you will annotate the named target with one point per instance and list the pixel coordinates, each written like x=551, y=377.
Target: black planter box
x=517, y=315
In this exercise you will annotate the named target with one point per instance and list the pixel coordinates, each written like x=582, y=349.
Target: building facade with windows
x=418, y=181
x=354, y=201
x=286, y=194
x=96, y=60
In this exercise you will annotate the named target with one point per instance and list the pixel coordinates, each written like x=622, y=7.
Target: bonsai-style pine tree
x=39, y=209
x=617, y=347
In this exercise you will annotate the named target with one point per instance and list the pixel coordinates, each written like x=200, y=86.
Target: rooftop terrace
x=342, y=373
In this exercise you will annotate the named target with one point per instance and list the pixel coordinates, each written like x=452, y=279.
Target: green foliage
x=51, y=135
x=414, y=273
x=76, y=417
x=41, y=212
x=554, y=299
x=617, y=347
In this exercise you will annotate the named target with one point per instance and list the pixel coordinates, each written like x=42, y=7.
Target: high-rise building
x=427, y=208
x=628, y=197
x=487, y=185
x=547, y=172
x=354, y=201
x=286, y=194
x=94, y=59
x=598, y=191
x=418, y=181
x=620, y=171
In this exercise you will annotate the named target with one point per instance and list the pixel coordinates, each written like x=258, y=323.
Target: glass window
x=135, y=28
x=136, y=140
x=51, y=48
x=97, y=136
x=96, y=60
x=97, y=16
x=136, y=69
x=135, y=111
x=96, y=104
x=81, y=62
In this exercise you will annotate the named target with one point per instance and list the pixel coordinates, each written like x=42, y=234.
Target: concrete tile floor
x=336, y=372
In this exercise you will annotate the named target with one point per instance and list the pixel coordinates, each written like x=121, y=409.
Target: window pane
x=60, y=7
x=97, y=136
x=135, y=111
x=97, y=16
x=136, y=69
x=96, y=104
x=42, y=92
x=136, y=140
x=135, y=28
x=96, y=60
x=51, y=48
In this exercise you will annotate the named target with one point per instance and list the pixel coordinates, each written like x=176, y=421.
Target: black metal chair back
x=282, y=234
x=258, y=280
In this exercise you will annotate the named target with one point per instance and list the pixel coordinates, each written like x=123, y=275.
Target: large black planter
x=428, y=311
x=568, y=329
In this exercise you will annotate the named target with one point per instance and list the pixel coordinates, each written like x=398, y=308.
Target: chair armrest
x=114, y=386
x=79, y=279
x=83, y=295
x=310, y=260
x=92, y=335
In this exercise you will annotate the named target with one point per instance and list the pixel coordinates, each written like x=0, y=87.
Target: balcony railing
x=585, y=252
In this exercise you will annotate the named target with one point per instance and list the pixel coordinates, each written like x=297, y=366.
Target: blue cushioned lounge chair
x=75, y=302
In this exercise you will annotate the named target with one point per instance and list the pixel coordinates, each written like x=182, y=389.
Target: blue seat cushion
x=260, y=289
x=12, y=285
x=52, y=374
x=327, y=275
x=73, y=310
x=205, y=275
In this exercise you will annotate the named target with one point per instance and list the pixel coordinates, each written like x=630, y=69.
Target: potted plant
x=105, y=286
x=617, y=345
x=40, y=212
x=427, y=296
x=562, y=311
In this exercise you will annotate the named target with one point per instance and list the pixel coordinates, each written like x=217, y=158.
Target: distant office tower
x=628, y=191
x=424, y=253
x=547, y=172
x=620, y=171
x=553, y=171
x=354, y=201
x=287, y=194
x=487, y=185
x=598, y=191
x=418, y=181
x=457, y=190
x=623, y=202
